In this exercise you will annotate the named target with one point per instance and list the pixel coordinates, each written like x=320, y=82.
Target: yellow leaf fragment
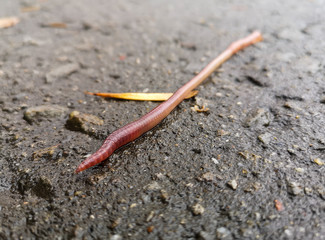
x=8, y=22
x=140, y=96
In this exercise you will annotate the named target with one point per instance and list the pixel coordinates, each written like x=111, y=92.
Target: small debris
x=215, y=161
x=288, y=233
x=150, y=229
x=116, y=237
x=321, y=192
x=291, y=151
x=8, y=22
x=133, y=205
x=292, y=105
x=197, y=209
x=83, y=122
x=258, y=117
x=257, y=81
x=308, y=191
x=201, y=104
x=164, y=195
x=253, y=187
x=257, y=216
x=203, y=235
x=223, y=233
x=154, y=186
x=207, y=177
x=196, y=108
x=115, y=223
x=94, y=179
x=278, y=205
x=249, y=156
x=233, y=184
x=61, y=72
x=221, y=133
x=44, y=153
x=294, y=188
x=150, y=216
x=318, y=161
x=78, y=232
x=219, y=94
x=300, y=170
x=44, y=112
x=265, y=138
x=189, y=46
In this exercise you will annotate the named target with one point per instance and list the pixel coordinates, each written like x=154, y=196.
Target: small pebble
x=321, y=192
x=265, y=138
x=83, y=122
x=44, y=153
x=197, y=209
x=223, y=233
x=300, y=170
x=133, y=205
x=43, y=112
x=150, y=216
x=116, y=237
x=153, y=186
x=258, y=117
x=203, y=235
x=233, y=184
x=208, y=176
x=221, y=133
x=308, y=191
x=215, y=161
x=164, y=195
x=294, y=188
x=288, y=232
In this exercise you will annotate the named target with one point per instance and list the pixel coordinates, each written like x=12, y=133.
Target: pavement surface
x=251, y=167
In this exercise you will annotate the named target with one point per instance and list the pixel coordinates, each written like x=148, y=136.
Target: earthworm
x=135, y=129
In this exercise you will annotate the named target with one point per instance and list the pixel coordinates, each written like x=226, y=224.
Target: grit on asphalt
x=250, y=167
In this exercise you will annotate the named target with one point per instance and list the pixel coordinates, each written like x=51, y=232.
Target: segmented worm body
x=135, y=129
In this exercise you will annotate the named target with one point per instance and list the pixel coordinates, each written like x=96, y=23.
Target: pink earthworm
x=135, y=129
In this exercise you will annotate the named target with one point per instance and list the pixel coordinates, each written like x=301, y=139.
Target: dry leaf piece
x=140, y=96
x=8, y=22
